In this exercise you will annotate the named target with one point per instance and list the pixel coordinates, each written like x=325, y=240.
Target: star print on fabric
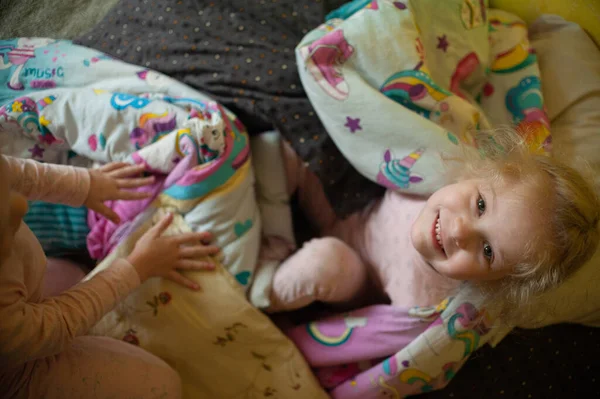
x=44, y=121
x=17, y=106
x=47, y=138
x=443, y=43
x=36, y=151
x=353, y=124
x=26, y=107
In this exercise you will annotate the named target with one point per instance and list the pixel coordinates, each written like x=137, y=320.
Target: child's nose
x=462, y=232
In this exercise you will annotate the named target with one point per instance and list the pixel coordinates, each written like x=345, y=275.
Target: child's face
x=473, y=231
x=13, y=207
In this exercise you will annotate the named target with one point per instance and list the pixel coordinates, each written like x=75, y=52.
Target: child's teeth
x=437, y=231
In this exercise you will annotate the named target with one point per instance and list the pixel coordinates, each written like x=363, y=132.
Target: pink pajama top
x=381, y=236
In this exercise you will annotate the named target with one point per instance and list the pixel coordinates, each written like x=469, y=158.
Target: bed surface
x=554, y=362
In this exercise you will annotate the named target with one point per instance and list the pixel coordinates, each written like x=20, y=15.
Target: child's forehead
x=521, y=215
x=527, y=191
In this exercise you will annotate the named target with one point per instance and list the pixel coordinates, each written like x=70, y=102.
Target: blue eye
x=488, y=252
x=481, y=205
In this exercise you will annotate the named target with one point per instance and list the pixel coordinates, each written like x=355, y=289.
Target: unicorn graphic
x=525, y=101
x=323, y=59
x=510, y=58
x=415, y=90
x=211, y=136
x=23, y=113
x=465, y=327
x=526, y=104
x=396, y=173
x=18, y=56
x=151, y=128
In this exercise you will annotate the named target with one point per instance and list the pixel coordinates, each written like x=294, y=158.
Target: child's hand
x=157, y=256
x=108, y=183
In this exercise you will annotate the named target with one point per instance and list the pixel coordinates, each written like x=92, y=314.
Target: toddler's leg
x=97, y=367
x=61, y=274
x=324, y=269
x=311, y=195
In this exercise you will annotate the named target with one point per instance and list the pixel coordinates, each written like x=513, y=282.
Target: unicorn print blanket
x=68, y=104
x=396, y=82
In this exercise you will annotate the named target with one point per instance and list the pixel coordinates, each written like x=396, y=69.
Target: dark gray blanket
x=242, y=53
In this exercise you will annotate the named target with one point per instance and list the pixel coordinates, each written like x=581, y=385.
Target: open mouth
x=437, y=235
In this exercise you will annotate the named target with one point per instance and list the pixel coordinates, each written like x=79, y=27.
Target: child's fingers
x=197, y=251
x=135, y=182
x=189, y=264
x=179, y=279
x=127, y=171
x=160, y=227
x=109, y=167
x=208, y=238
x=108, y=213
x=192, y=238
x=132, y=195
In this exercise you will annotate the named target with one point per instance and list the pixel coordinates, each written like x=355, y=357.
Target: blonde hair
x=572, y=234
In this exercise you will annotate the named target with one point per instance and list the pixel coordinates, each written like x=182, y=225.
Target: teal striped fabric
x=60, y=229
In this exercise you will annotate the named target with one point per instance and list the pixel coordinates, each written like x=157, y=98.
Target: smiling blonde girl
x=512, y=223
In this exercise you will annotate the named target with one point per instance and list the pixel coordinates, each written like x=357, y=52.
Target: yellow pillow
x=586, y=13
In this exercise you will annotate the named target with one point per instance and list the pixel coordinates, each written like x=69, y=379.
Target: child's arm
x=48, y=182
x=78, y=186
x=34, y=330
